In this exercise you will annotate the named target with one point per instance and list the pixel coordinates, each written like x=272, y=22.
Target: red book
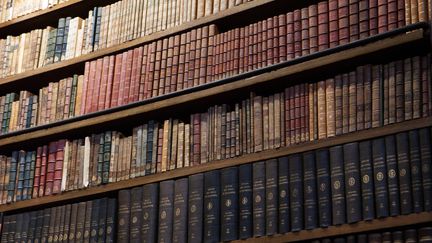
x=210, y=53
x=59, y=158
x=203, y=55
x=175, y=64
x=128, y=76
x=242, y=51
x=373, y=17
x=51, y=165
x=109, y=82
x=275, y=37
x=169, y=64
x=305, y=116
x=181, y=62
x=143, y=73
x=354, y=20
x=157, y=68
x=37, y=172
x=91, y=84
x=256, y=47
x=247, y=49
x=363, y=19
x=43, y=171
x=261, y=44
x=217, y=56
x=290, y=35
x=231, y=50
x=191, y=61
x=196, y=152
x=392, y=14
x=426, y=84
x=150, y=70
x=343, y=15
x=382, y=16
x=187, y=60
x=135, y=82
x=116, y=80
x=292, y=113
x=269, y=33
x=323, y=25
x=251, y=47
x=122, y=80
x=224, y=60
x=313, y=27
x=103, y=66
x=304, y=15
x=297, y=33
x=298, y=112
x=282, y=40
x=85, y=87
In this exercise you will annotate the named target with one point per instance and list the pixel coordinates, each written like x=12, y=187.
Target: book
x=338, y=185
x=195, y=211
x=166, y=201
x=212, y=206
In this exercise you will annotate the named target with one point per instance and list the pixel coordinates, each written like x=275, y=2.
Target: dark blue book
x=111, y=220
x=310, y=190
x=123, y=216
x=166, y=203
x=362, y=238
x=246, y=201
x=410, y=235
x=135, y=215
x=27, y=171
x=426, y=165
x=230, y=203
x=150, y=212
x=258, y=190
x=149, y=151
x=367, y=186
x=180, y=210
x=296, y=191
x=12, y=177
x=195, y=212
x=324, y=187
x=392, y=180
x=352, y=185
x=211, y=206
x=20, y=174
x=404, y=173
x=271, y=189
x=416, y=173
x=283, y=187
x=398, y=236
x=94, y=225
x=338, y=185
x=103, y=206
x=380, y=178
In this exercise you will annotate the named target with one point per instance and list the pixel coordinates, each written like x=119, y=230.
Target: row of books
x=11, y=9
x=201, y=55
x=88, y=220
x=348, y=183
x=410, y=234
x=369, y=96
x=104, y=27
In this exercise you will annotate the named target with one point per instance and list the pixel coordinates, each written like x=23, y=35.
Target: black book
x=416, y=174
x=271, y=189
x=362, y=238
x=338, y=185
x=166, y=202
x=52, y=224
x=123, y=215
x=111, y=220
x=397, y=236
x=211, y=206
x=59, y=40
x=367, y=186
x=25, y=227
x=246, y=201
x=26, y=187
x=180, y=210
x=106, y=157
x=12, y=177
x=404, y=172
x=283, y=188
x=352, y=179
x=425, y=234
x=380, y=177
x=88, y=221
x=73, y=222
x=310, y=190
x=13, y=228
x=59, y=234
x=195, y=212
x=94, y=226
x=45, y=224
x=392, y=180
x=32, y=225
x=135, y=215
x=19, y=227
x=426, y=165
x=229, y=204
x=410, y=235
x=296, y=191
x=324, y=187
x=150, y=212
x=5, y=229
x=258, y=190
x=103, y=204
x=67, y=221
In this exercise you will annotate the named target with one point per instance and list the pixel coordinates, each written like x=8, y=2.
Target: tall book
x=324, y=187
x=246, y=201
x=195, y=212
x=180, y=230
x=211, y=209
x=258, y=192
x=166, y=201
x=352, y=182
x=338, y=185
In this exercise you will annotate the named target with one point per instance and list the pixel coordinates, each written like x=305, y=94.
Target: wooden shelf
x=49, y=16
x=232, y=12
x=360, y=227
x=205, y=91
x=214, y=165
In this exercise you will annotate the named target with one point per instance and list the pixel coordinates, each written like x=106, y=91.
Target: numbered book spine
x=296, y=191
x=246, y=199
x=180, y=210
x=416, y=176
x=135, y=214
x=367, y=185
x=338, y=185
x=166, y=201
x=211, y=207
x=230, y=203
x=324, y=187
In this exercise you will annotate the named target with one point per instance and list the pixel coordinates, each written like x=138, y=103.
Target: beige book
x=136, y=17
x=149, y=17
x=165, y=144
x=231, y=3
x=194, y=9
x=113, y=158
x=128, y=156
x=271, y=122
x=40, y=108
x=86, y=161
x=14, y=116
x=44, y=42
x=71, y=38
x=208, y=7
x=38, y=48
x=79, y=38
x=110, y=24
x=185, y=11
x=121, y=21
x=223, y=5
x=277, y=120
x=54, y=100
x=89, y=32
x=161, y=15
x=169, y=16
x=22, y=46
x=26, y=51
x=174, y=145
x=79, y=94
x=216, y=6
x=180, y=144
x=330, y=107
x=65, y=166
x=143, y=17
x=187, y=145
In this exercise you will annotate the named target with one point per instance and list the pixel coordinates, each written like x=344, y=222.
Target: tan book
x=165, y=145
x=179, y=12
x=231, y=3
x=109, y=25
x=174, y=145
x=223, y=5
x=185, y=11
x=79, y=94
x=180, y=144
x=200, y=9
x=322, y=118
x=216, y=6
x=134, y=165
x=330, y=107
x=161, y=15
x=271, y=122
x=138, y=18
x=142, y=22
x=204, y=138
x=312, y=115
x=282, y=120
x=20, y=57
x=113, y=164
x=13, y=124
x=149, y=17
x=193, y=9
x=61, y=96
x=208, y=9
x=53, y=107
x=39, y=44
x=128, y=157
x=266, y=126
x=187, y=145
x=120, y=161
x=257, y=123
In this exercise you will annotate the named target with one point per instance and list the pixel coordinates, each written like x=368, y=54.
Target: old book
x=195, y=212
x=338, y=185
x=352, y=109
x=123, y=215
x=211, y=218
x=150, y=208
x=180, y=231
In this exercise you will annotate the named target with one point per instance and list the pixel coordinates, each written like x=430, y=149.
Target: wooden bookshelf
x=332, y=231
x=203, y=91
x=214, y=165
x=230, y=14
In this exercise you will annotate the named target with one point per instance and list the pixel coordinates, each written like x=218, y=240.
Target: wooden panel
x=127, y=45
x=248, y=158
x=202, y=94
x=363, y=226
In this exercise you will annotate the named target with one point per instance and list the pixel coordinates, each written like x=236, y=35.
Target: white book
x=71, y=38
x=79, y=38
x=86, y=162
x=65, y=166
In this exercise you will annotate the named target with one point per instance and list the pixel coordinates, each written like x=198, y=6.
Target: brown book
x=392, y=93
x=196, y=142
x=367, y=93
x=416, y=87
x=353, y=20
x=135, y=82
x=363, y=19
x=282, y=38
x=312, y=27
x=385, y=94
x=51, y=164
x=109, y=82
x=330, y=107
x=271, y=121
x=175, y=63
x=408, y=89
x=148, y=82
x=297, y=33
x=97, y=85
x=268, y=44
x=236, y=52
x=174, y=145
x=181, y=63
x=90, y=87
x=202, y=70
x=192, y=58
x=345, y=103
x=157, y=68
x=126, y=79
x=414, y=11
x=163, y=67
x=322, y=116
x=401, y=13
x=187, y=144
x=382, y=16
x=311, y=111
x=426, y=86
x=343, y=16
x=266, y=125
x=305, y=37
x=103, y=91
x=373, y=17
x=166, y=145
x=290, y=111
x=323, y=25
x=360, y=97
x=305, y=113
x=392, y=14
x=116, y=80
x=376, y=95
x=277, y=120
x=158, y=167
x=352, y=89
x=290, y=35
x=297, y=113
x=275, y=37
x=258, y=123
x=37, y=172
x=43, y=171
x=204, y=138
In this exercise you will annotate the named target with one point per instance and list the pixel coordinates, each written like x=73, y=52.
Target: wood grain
x=248, y=158
x=205, y=93
x=363, y=226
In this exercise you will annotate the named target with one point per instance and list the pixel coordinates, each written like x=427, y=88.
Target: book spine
x=352, y=179
x=150, y=208
x=296, y=191
x=180, y=211
x=366, y=174
x=123, y=224
x=426, y=165
x=211, y=209
x=246, y=199
x=195, y=212
x=415, y=166
x=393, y=187
x=166, y=200
x=310, y=192
x=380, y=177
x=324, y=187
x=338, y=185
x=259, y=202
x=135, y=214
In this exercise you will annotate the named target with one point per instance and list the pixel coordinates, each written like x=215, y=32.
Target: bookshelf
x=377, y=46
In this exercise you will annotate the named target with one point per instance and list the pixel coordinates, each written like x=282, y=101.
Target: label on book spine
x=324, y=187
x=258, y=199
x=338, y=185
x=416, y=176
x=296, y=191
x=230, y=203
x=246, y=201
